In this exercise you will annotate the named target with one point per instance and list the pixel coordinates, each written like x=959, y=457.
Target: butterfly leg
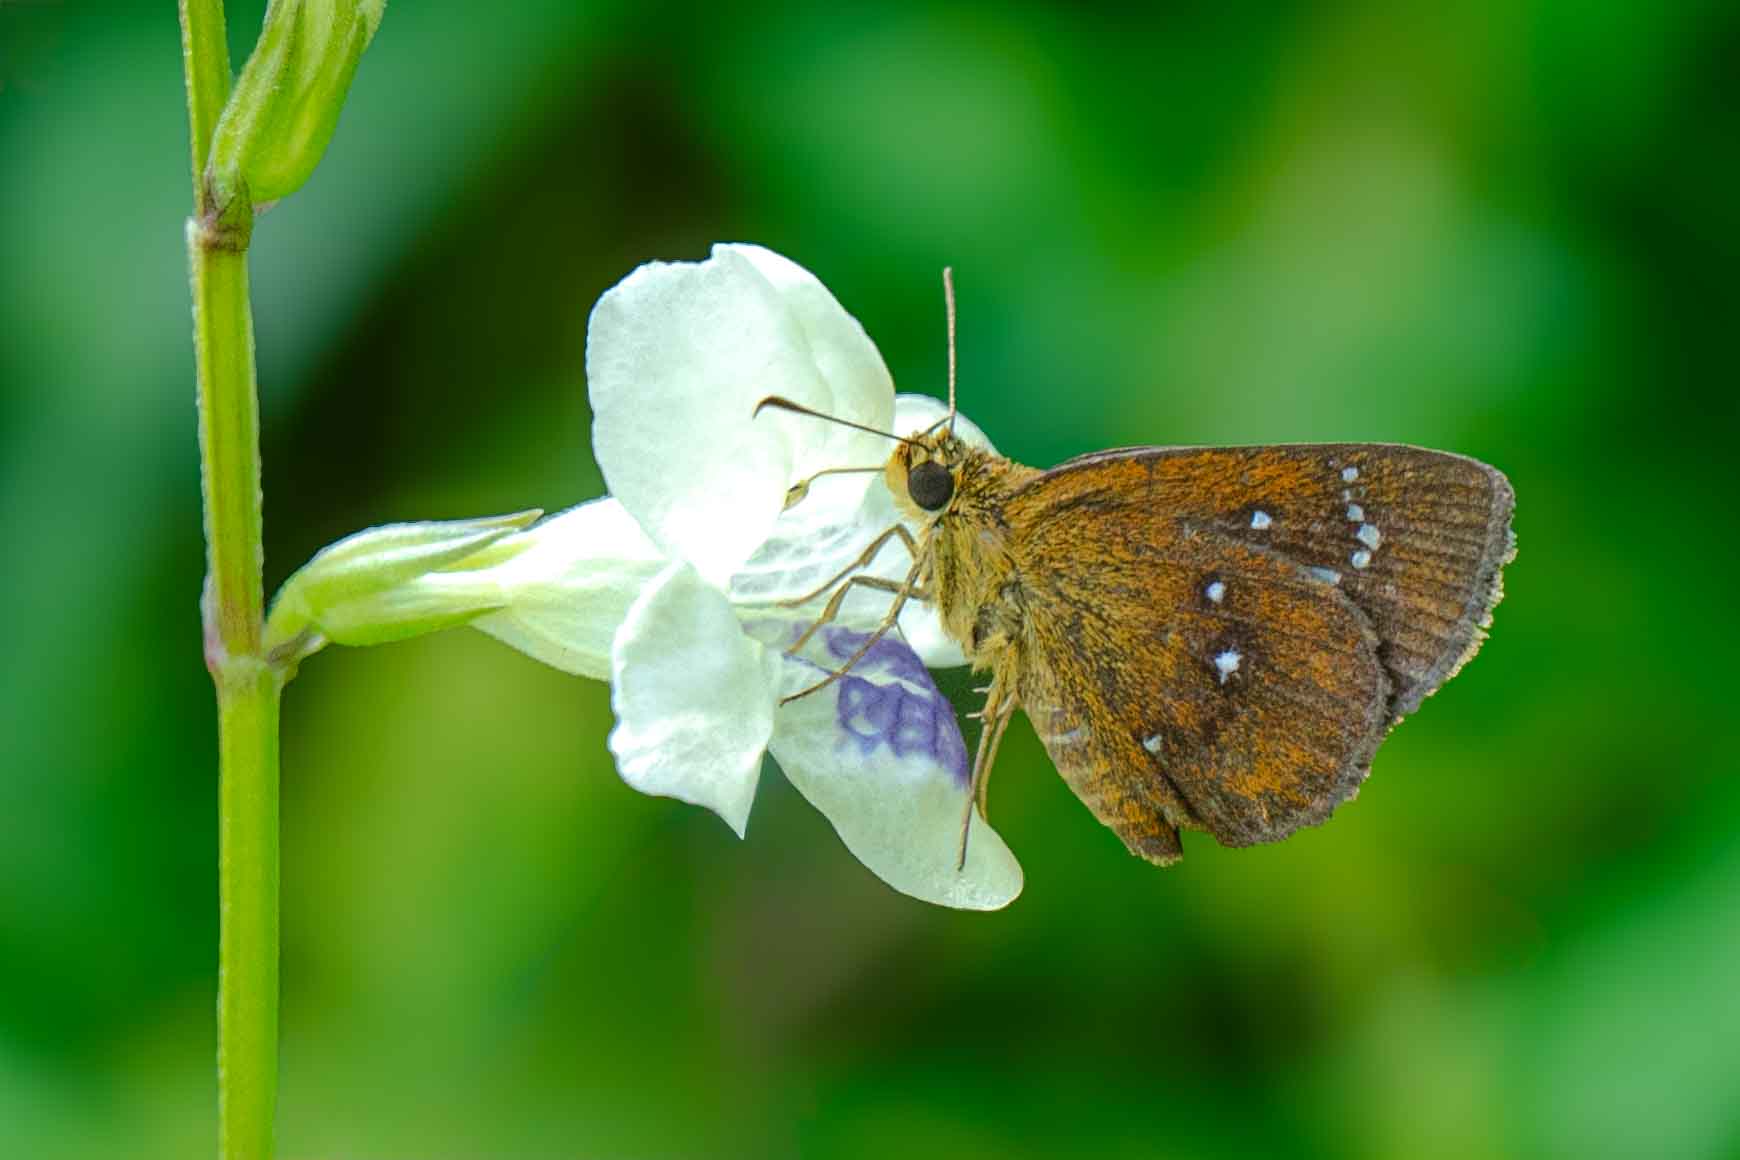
x=863, y=561
x=833, y=606
x=999, y=708
x=905, y=593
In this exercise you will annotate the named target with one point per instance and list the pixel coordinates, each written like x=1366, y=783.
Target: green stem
x=247, y=685
x=248, y=911
x=205, y=57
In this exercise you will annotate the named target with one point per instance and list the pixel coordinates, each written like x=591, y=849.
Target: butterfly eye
x=930, y=485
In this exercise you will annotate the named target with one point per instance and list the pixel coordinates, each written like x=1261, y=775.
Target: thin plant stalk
x=247, y=684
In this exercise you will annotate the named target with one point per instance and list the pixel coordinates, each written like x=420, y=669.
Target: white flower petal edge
x=880, y=753
x=567, y=585
x=678, y=355
x=694, y=697
x=858, y=384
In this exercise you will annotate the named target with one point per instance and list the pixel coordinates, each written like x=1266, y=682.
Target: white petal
x=880, y=753
x=677, y=357
x=693, y=695
x=566, y=585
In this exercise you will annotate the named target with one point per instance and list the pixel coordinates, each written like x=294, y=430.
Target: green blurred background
x=1505, y=229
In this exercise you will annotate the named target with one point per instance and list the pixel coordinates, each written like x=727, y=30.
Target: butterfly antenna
x=949, y=306
x=783, y=404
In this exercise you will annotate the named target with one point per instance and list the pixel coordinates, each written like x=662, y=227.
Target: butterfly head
x=925, y=474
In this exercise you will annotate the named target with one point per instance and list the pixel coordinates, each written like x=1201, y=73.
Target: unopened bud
x=286, y=102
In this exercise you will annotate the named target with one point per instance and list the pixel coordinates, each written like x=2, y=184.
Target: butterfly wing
x=1239, y=627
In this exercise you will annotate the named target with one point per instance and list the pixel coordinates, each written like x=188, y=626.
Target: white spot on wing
x=1152, y=743
x=1369, y=536
x=1327, y=575
x=1260, y=520
x=1360, y=559
x=1216, y=591
x=1227, y=663
x=1349, y=474
x=1070, y=738
x=1355, y=513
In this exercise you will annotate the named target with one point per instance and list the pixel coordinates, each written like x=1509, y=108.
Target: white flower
x=673, y=588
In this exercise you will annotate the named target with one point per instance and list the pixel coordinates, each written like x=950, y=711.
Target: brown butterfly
x=1213, y=638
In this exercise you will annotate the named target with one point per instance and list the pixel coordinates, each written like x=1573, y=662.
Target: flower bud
x=286, y=102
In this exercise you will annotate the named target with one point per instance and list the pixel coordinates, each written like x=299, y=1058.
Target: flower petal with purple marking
x=879, y=752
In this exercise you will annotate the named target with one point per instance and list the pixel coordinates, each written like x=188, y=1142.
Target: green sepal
x=375, y=586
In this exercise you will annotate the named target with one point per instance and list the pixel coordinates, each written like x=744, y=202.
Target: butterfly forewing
x=1252, y=622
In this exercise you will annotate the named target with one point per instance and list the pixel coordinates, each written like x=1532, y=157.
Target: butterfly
x=1208, y=638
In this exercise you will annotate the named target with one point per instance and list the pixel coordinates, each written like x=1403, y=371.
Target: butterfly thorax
x=968, y=570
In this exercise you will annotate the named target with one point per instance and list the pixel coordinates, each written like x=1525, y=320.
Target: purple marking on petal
x=888, y=654
x=898, y=705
